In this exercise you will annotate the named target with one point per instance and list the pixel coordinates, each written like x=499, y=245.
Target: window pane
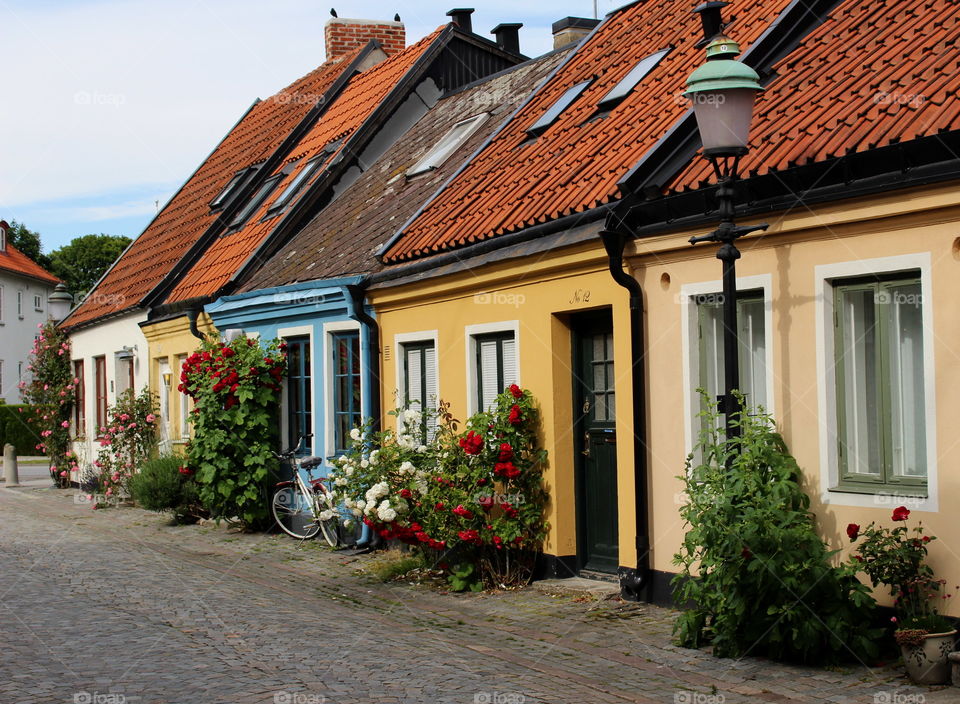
x=905, y=349
x=753, y=352
x=509, y=363
x=860, y=436
x=489, y=372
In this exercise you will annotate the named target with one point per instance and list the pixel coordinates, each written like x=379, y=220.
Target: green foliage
x=756, y=572
x=126, y=442
x=391, y=569
x=464, y=577
x=18, y=427
x=83, y=261
x=28, y=242
x=236, y=392
x=478, y=493
x=50, y=393
x=161, y=486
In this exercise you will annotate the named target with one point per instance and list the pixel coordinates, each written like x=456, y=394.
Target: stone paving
x=116, y=607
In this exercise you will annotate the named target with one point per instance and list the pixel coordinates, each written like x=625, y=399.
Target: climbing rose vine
x=236, y=391
x=50, y=394
x=126, y=442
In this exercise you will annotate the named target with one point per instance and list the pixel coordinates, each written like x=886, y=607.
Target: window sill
x=883, y=490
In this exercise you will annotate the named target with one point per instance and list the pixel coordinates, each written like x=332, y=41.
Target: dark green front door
x=595, y=444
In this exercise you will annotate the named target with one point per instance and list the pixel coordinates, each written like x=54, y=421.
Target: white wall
x=17, y=332
x=107, y=339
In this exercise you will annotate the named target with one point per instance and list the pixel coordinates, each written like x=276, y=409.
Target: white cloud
x=107, y=96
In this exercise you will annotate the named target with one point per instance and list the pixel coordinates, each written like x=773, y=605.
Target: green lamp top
x=721, y=72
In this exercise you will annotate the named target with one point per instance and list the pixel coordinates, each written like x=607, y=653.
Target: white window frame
x=329, y=329
x=691, y=347
x=448, y=144
x=1, y=304
x=183, y=417
x=409, y=338
x=824, y=276
x=471, y=333
x=20, y=304
x=38, y=303
x=301, y=331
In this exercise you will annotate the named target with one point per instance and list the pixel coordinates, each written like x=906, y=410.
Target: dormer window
x=551, y=115
x=448, y=144
x=630, y=81
x=231, y=189
x=3, y=236
x=298, y=181
x=256, y=201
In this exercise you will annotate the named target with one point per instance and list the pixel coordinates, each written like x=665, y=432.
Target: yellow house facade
x=169, y=343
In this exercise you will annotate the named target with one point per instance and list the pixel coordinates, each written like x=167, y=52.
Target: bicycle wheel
x=330, y=526
x=293, y=512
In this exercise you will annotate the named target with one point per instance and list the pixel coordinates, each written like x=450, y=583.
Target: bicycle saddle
x=311, y=462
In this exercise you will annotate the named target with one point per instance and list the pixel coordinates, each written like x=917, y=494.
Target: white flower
x=406, y=468
x=349, y=471
x=347, y=523
x=361, y=504
x=384, y=504
x=357, y=512
x=349, y=503
x=374, y=456
x=407, y=441
x=421, y=486
x=326, y=515
x=340, y=481
x=422, y=449
x=355, y=434
x=364, y=464
x=386, y=514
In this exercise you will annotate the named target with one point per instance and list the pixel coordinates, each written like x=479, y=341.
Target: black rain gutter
x=357, y=295
x=634, y=584
x=192, y=315
x=197, y=250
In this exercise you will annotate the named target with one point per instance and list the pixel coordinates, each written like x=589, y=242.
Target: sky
x=109, y=105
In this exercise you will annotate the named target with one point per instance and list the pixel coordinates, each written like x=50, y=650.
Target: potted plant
x=896, y=558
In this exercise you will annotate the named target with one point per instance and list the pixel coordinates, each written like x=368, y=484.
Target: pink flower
x=63, y=473
x=151, y=417
x=65, y=424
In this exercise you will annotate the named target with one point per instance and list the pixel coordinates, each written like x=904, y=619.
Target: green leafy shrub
x=758, y=575
x=18, y=427
x=161, y=486
x=127, y=441
x=477, y=495
x=236, y=392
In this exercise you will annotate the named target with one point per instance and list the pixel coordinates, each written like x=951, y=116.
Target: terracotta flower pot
x=927, y=663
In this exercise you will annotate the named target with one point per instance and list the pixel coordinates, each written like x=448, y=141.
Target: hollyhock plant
x=236, y=389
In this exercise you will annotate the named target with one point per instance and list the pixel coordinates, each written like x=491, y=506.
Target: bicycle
x=298, y=505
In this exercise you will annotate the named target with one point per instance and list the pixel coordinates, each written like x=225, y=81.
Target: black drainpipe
x=634, y=584
x=192, y=315
x=357, y=294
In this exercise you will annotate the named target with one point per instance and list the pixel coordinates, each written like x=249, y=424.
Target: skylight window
x=551, y=115
x=448, y=144
x=630, y=81
x=231, y=188
x=261, y=195
x=298, y=181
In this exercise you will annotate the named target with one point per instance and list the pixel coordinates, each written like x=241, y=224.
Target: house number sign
x=581, y=296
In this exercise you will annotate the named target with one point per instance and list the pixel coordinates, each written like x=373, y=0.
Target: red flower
x=901, y=513
x=469, y=536
x=746, y=554
x=506, y=469
x=463, y=512
x=514, y=418
x=498, y=541
x=853, y=531
x=439, y=506
x=228, y=352
x=516, y=391
x=486, y=502
x=186, y=471
x=472, y=444
x=926, y=538
x=231, y=402
x=506, y=452
x=406, y=493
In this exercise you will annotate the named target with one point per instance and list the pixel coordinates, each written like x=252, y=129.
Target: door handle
x=586, y=444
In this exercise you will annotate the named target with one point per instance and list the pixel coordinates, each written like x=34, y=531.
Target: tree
x=28, y=242
x=82, y=262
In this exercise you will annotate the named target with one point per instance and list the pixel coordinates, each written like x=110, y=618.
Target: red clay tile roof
x=12, y=259
x=357, y=102
x=875, y=73
x=576, y=164
x=344, y=237
x=187, y=216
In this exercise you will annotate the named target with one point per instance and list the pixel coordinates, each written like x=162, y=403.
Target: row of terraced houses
x=445, y=218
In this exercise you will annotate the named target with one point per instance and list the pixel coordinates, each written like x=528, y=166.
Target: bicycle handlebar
x=293, y=451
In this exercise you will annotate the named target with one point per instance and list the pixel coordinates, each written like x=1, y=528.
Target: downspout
x=192, y=315
x=634, y=584
x=357, y=294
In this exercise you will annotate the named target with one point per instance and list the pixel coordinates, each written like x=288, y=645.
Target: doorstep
x=599, y=589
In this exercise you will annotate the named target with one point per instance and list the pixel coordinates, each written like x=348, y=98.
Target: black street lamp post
x=722, y=91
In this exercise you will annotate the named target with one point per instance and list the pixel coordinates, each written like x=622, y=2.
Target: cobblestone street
x=116, y=606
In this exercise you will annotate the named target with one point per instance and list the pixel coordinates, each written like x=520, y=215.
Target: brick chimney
x=571, y=29
x=343, y=35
